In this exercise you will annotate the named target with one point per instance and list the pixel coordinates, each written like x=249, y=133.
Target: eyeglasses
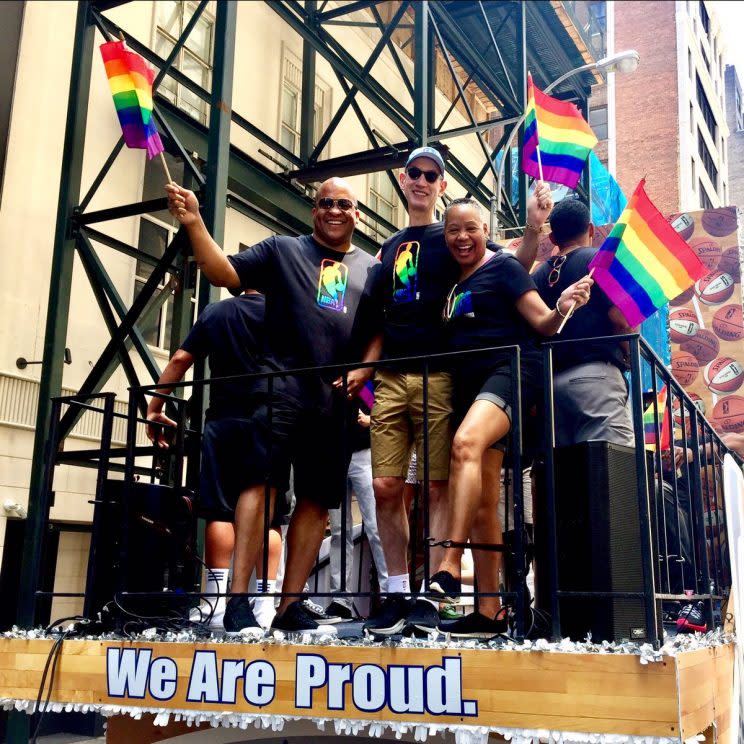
x=414, y=174
x=555, y=270
x=345, y=205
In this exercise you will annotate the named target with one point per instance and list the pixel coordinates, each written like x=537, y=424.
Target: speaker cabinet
x=160, y=536
x=598, y=541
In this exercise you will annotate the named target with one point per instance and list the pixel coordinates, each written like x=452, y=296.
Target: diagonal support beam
x=373, y=57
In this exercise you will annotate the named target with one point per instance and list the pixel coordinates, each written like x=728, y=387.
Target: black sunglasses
x=345, y=205
x=414, y=174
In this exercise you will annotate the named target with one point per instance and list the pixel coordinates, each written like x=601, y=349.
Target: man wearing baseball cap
x=417, y=273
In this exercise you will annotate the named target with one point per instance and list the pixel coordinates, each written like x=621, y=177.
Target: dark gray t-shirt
x=318, y=308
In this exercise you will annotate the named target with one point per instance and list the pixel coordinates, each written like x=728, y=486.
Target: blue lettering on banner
x=408, y=689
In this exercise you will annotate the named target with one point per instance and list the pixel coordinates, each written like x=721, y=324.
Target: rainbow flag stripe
x=651, y=422
x=559, y=130
x=130, y=81
x=644, y=263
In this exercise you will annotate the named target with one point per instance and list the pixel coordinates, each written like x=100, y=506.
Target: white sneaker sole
x=392, y=630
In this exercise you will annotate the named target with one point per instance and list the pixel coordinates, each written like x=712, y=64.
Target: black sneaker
x=239, y=619
x=422, y=620
x=337, y=609
x=691, y=619
x=475, y=626
x=317, y=613
x=445, y=587
x=391, y=617
x=296, y=619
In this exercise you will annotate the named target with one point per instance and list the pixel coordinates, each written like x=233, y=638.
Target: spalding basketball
x=724, y=375
x=683, y=324
x=684, y=367
x=600, y=233
x=720, y=221
x=707, y=250
x=730, y=262
x=699, y=404
x=715, y=288
x=684, y=224
x=704, y=346
x=684, y=298
x=728, y=414
x=727, y=323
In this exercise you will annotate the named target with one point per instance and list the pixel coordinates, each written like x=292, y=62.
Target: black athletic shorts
x=317, y=443
x=225, y=471
x=495, y=385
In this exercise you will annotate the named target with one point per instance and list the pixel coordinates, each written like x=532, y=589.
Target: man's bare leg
x=392, y=520
x=249, y=527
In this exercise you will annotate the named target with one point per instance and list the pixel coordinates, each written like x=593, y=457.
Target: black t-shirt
x=481, y=312
x=318, y=307
x=587, y=322
x=417, y=272
x=230, y=333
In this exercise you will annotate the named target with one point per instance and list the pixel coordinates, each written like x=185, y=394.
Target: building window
x=705, y=59
x=598, y=26
x=705, y=109
x=690, y=66
x=598, y=121
x=692, y=171
x=156, y=230
x=704, y=18
x=707, y=160
x=194, y=59
x=705, y=202
x=692, y=119
x=382, y=199
x=291, y=113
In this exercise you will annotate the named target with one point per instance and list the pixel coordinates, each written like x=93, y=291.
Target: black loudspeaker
x=598, y=541
x=161, y=555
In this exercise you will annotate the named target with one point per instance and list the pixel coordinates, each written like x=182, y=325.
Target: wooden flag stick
x=570, y=311
x=539, y=162
x=165, y=168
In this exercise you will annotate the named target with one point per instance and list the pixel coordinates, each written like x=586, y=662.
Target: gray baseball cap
x=427, y=152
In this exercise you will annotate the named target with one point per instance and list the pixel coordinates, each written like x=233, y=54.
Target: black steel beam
x=117, y=213
x=122, y=247
x=307, y=97
x=345, y=9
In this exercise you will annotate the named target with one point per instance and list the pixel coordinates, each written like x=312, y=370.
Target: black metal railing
x=680, y=517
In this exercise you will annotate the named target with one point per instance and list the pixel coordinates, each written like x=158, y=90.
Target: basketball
x=724, y=375
x=719, y=222
x=684, y=224
x=600, y=233
x=730, y=262
x=699, y=404
x=727, y=323
x=707, y=250
x=714, y=288
x=728, y=414
x=704, y=346
x=684, y=298
x=684, y=367
x=683, y=324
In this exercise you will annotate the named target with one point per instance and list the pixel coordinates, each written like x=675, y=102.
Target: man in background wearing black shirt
x=590, y=392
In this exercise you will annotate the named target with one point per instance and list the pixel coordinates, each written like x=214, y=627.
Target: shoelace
x=314, y=607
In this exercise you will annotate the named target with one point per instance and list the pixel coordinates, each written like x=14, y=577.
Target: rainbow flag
x=651, y=422
x=564, y=139
x=644, y=263
x=130, y=80
x=367, y=394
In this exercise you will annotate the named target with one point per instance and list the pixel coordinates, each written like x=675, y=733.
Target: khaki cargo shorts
x=398, y=423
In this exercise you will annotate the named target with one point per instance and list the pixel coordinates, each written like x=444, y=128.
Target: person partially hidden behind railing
x=316, y=288
x=590, y=392
x=494, y=303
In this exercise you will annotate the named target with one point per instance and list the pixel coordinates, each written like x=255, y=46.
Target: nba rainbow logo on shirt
x=332, y=285
x=459, y=304
x=405, y=276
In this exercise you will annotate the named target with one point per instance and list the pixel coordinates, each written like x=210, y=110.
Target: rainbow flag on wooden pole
x=557, y=139
x=644, y=263
x=130, y=80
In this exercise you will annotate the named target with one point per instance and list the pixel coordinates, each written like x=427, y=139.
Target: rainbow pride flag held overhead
x=651, y=422
x=644, y=263
x=130, y=80
x=562, y=135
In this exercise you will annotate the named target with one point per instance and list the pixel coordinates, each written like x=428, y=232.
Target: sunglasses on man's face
x=414, y=174
x=345, y=205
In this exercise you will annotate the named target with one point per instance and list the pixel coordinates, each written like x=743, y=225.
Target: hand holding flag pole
x=570, y=310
